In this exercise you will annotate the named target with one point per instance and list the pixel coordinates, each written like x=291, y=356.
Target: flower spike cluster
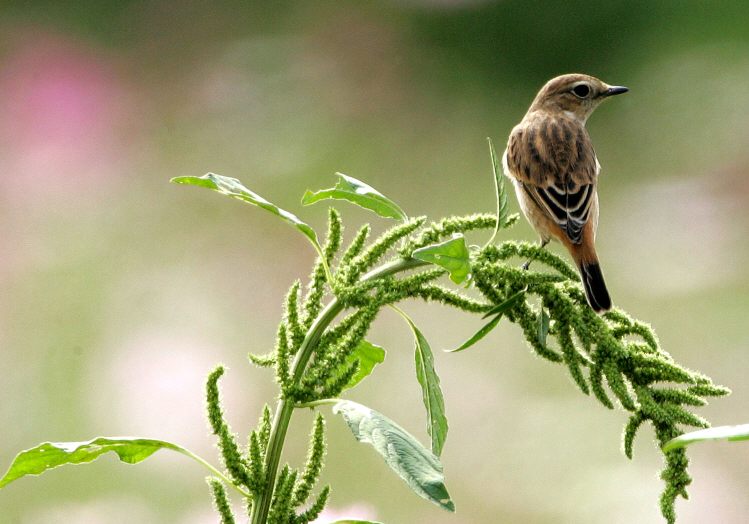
x=613, y=358
x=321, y=351
x=642, y=377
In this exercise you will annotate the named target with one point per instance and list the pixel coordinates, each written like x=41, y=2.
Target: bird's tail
x=590, y=273
x=595, y=287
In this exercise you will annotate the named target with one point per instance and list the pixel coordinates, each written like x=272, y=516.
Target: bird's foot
x=527, y=265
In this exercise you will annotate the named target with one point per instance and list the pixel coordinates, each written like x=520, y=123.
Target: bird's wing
x=554, y=161
x=570, y=209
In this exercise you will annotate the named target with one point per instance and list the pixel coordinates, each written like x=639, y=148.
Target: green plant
x=320, y=353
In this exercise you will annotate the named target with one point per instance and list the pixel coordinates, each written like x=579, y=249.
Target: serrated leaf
x=368, y=355
x=49, y=455
x=730, y=433
x=411, y=461
x=451, y=254
x=506, y=304
x=359, y=193
x=234, y=188
x=481, y=333
x=543, y=327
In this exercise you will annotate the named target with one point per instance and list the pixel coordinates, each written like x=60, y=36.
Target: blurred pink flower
x=62, y=113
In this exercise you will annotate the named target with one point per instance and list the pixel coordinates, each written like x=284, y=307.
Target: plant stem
x=200, y=460
x=285, y=408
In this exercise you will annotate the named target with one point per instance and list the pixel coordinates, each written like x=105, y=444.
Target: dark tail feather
x=595, y=287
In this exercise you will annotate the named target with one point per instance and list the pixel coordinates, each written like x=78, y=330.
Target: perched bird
x=551, y=161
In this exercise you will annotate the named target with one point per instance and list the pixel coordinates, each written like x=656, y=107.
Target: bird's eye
x=581, y=90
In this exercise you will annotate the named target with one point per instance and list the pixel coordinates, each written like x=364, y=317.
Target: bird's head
x=574, y=95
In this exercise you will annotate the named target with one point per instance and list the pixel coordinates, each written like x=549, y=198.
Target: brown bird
x=551, y=161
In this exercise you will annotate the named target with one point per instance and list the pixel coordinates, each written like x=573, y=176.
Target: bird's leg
x=544, y=242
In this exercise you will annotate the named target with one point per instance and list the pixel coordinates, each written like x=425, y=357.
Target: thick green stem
x=285, y=408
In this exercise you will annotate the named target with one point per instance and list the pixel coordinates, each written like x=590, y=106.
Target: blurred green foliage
x=100, y=277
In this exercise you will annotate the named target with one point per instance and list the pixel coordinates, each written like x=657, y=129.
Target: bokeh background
x=119, y=292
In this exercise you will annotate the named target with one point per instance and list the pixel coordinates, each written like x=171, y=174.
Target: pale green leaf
x=234, y=188
x=451, y=254
x=49, y=455
x=411, y=461
x=730, y=433
x=359, y=193
x=368, y=355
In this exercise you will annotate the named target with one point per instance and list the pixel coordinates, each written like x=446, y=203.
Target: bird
x=552, y=164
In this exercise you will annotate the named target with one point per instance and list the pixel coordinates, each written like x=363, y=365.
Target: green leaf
x=730, y=433
x=506, y=304
x=431, y=392
x=49, y=455
x=497, y=311
x=234, y=188
x=359, y=193
x=543, y=327
x=429, y=381
x=451, y=254
x=415, y=464
x=368, y=355
x=481, y=333
x=501, y=193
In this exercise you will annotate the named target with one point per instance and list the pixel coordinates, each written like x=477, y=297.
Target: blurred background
x=120, y=292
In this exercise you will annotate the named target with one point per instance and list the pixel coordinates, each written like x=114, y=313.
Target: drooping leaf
x=481, y=333
x=543, y=327
x=49, y=455
x=359, y=193
x=234, y=188
x=730, y=433
x=451, y=254
x=429, y=381
x=431, y=392
x=368, y=355
x=506, y=304
x=415, y=464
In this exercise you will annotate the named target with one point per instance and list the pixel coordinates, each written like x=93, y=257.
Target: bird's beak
x=615, y=90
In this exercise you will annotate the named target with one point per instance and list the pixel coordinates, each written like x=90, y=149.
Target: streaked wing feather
x=569, y=208
x=554, y=161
